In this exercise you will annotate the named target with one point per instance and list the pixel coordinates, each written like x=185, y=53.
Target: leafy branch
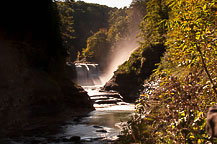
x=206, y=69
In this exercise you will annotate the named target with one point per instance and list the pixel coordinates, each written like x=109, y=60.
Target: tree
x=67, y=25
x=182, y=88
x=97, y=47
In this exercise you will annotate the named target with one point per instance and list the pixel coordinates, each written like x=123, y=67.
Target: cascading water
x=106, y=121
x=101, y=126
x=88, y=74
x=91, y=78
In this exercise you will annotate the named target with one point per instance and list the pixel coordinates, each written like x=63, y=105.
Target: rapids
x=98, y=127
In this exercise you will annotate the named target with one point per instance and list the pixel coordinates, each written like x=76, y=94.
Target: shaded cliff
x=130, y=76
x=35, y=82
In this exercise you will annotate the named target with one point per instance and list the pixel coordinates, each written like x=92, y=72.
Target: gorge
x=37, y=94
x=36, y=87
x=73, y=72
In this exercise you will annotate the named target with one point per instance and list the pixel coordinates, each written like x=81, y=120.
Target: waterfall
x=87, y=74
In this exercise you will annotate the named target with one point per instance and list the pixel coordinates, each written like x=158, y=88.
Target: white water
x=111, y=111
x=98, y=127
x=108, y=117
x=111, y=117
x=88, y=74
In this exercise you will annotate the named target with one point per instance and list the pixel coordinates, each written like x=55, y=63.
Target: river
x=101, y=126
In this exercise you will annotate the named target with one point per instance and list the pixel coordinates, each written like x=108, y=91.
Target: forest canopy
x=79, y=21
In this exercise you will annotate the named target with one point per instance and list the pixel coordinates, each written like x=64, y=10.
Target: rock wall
x=128, y=80
x=35, y=83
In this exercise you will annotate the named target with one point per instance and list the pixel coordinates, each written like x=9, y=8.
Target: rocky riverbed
x=100, y=126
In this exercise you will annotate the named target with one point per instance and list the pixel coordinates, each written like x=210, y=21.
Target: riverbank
x=36, y=84
x=100, y=126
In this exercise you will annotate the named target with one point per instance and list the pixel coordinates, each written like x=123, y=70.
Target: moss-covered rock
x=130, y=76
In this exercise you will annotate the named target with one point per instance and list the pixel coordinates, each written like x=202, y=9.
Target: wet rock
x=53, y=140
x=112, y=91
x=126, y=85
x=119, y=136
x=92, y=139
x=77, y=119
x=65, y=140
x=109, y=95
x=122, y=103
x=75, y=139
x=115, y=95
x=35, y=142
x=95, y=126
x=102, y=131
x=98, y=138
x=107, y=101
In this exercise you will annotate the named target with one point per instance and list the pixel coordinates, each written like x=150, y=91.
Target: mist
x=118, y=56
x=123, y=49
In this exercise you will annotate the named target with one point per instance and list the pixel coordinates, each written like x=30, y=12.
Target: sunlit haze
x=111, y=3
x=123, y=52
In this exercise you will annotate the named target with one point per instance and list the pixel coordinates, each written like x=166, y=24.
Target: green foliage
x=153, y=27
x=67, y=21
x=183, y=87
x=119, y=27
x=193, y=35
x=152, y=32
x=120, y=31
x=152, y=45
x=80, y=20
x=123, y=28
x=97, y=47
x=88, y=19
x=133, y=64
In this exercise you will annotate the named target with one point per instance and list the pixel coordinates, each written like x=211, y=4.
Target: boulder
x=75, y=139
x=102, y=131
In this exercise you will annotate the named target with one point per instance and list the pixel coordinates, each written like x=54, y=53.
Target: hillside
x=35, y=82
x=173, y=105
x=81, y=20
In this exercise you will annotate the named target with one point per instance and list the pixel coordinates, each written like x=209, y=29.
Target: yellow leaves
x=144, y=95
x=192, y=137
x=198, y=36
x=204, y=7
x=186, y=98
x=190, y=26
x=200, y=141
x=160, y=96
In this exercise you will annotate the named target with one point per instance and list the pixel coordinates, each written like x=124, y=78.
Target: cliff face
x=130, y=76
x=35, y=82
